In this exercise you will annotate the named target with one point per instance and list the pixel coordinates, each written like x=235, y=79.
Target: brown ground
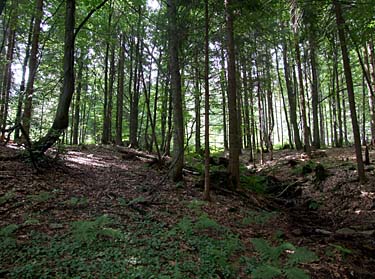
x=337, y=211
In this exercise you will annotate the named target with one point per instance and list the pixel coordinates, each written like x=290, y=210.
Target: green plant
x=6, y=197
x=314, y=205
x=341, y=249
x=89, y=231
x=76, y=202
x=41, y=197
x=7, y=236
x=258, y=217
x=279, y=260
x=255, y=183
x=196, y=206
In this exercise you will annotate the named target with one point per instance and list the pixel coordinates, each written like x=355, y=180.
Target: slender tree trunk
x=246, y=106
x=291, y=98
x=164, y=113
x=314, y=92
x=77, y=104
x=33, y=65
x=120, y=91
x=349, y=83
x=364, y=142
x=197, y=99
x=306, y=136
x=223, y=84
x=283, y=100
x=335, y=136
x=178, y=120
x=7, y=81
x=206, y=194
x=134, y=110
x=61, y=120
x=23, y=81
x=371, y=96
x=234, y=142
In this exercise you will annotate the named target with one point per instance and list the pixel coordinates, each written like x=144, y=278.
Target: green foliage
x=343, y=250
x=41, y=197
x=272, y=261
x=258, y=217
x=7, y=239
x=6, y=197
x=255, y=183
x=314, y=205
x=196, y=206
x=306, y=168
x=89, y=231
x=76, y=202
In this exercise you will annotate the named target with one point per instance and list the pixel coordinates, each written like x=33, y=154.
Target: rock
x=345, y=232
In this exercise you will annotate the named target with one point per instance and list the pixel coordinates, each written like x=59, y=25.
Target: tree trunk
x=23, y=81
x=134, y=100
x=120, y=91
x=314, y=92
x=349, y=83
x=7, y=81
x=33, y=65
x=206, y=194
x=77, y=105
x=178, y=120
x=291, y=99
x=234, y=142
x=61, y=120
x=223, y=86
x=372, y=97
x=197, y=99
x=246, y=107
x=306, y=136
x=283, y=100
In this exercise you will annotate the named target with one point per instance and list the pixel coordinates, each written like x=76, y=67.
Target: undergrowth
x=196, y=246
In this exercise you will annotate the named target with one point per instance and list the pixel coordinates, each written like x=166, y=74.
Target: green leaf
x=296, y=273
x=301, y=255
x=263, y=248
x=8, y=230
x=266, y=272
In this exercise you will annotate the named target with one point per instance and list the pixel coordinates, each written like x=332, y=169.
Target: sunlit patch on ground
x=93, y=160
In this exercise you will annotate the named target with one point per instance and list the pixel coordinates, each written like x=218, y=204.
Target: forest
x=187, y=139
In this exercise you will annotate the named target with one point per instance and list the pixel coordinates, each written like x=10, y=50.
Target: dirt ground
x=334, y=216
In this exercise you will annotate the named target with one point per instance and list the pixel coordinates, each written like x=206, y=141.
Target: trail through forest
x=95, y=213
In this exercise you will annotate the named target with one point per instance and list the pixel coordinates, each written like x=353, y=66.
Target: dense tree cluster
x=141, y=73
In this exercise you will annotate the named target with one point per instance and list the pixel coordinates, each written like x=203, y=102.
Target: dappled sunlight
x=92, y=160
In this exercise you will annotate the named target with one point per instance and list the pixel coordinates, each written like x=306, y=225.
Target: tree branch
x=88, y=17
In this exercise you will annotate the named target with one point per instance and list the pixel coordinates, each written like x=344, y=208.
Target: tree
x=340, y=21
x=174, y=66
x=33, y=66
x=234, y=141
x=206, y=194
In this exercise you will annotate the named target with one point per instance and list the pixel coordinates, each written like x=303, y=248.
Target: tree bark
x=7, y=78
x=77, y=105
x=291, y=99
x=314, y=91
x=206, y=194
x=178, y=120
x=61, y=120
x=197, y=99
x=120, y=91
x=234, y=142
x=340, y=21
x=306, y=136
x=23, y=81
x=33, y=65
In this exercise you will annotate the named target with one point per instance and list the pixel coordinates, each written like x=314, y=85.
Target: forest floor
x=92, y=212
